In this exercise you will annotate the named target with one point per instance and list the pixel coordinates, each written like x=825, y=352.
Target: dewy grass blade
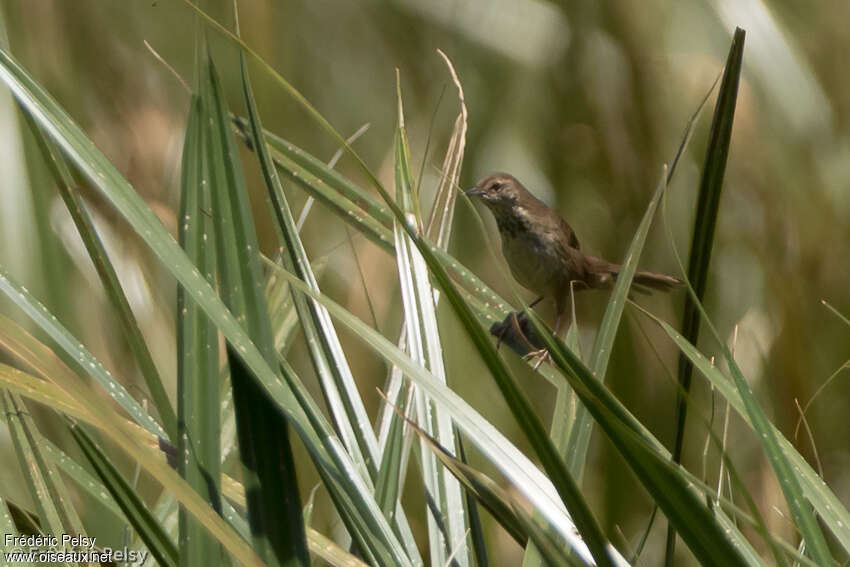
x=337, y=380
x=47, y=489
x=199, y=439
x=830, y=509
x=82, y=478
x=708, y=202
x=523, y=412
x=75, y=353
x=579, y=439
x=671, y=488
x=156, y=540
x=104, y=177
x=501, y=452
x=106, y=272
x=43, y=392
x=423, y=342
x=343, y=398
x=268, y=467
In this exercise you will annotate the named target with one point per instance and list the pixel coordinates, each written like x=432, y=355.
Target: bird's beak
x=474, y=192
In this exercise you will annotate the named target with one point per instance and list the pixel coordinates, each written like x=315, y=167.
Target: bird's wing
x=572, y=239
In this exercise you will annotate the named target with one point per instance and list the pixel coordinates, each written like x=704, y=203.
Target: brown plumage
x=542, y=250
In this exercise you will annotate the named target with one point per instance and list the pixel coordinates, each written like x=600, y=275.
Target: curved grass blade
x=708, y=202
x=449, y=531
x=268, y=468
x=109, y=279
x=82, y=478
x=509, y=513
x=579, y=437
x=43, y=392
x=821, y=498
x=75, y=353
x=52, y=499
x=199, y=439
x=671, y=489
x=104, y=177
x=343, y=399
x=156, y=540
x=525, y=475
x=341, y=393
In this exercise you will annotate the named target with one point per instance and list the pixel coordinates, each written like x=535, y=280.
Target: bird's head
x=501, y=192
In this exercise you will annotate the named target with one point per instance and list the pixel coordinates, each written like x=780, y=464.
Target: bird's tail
x=654, y=280
x=645, y=281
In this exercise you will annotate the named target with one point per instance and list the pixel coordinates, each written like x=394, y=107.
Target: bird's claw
x=538, y=357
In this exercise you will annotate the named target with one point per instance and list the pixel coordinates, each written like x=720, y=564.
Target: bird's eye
x=495, y=186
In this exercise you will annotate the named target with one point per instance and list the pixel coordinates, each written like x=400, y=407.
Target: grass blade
x=824, y=502
x=75, y=353
x=579, y=437
x=423, y=342
x=504, y=455
x=199, y=440
x=343, y=399
x=106, y=272
x=52, y=500
x=274, y=507
x=708, y=201
x=156, y=540
x=670, y=488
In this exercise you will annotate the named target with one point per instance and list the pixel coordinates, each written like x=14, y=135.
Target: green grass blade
x=579, y=437
x=341, y=394
x=339, y=387
x=708, y=201
x=274, y=507
x=52, y=500
x=448, y=532
x=7, y=526
x=504, y=508
x=106, y=272
x=75, y=353
x=389, y=483
x=505, y=456
x=821, y=498
x=156, y=540
x=43, y=392
x=671, y=489
x=351, y=493
x=106, y=179
x=199, y=439
x=82, y=478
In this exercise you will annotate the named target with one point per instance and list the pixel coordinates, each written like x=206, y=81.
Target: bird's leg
x=542, y=355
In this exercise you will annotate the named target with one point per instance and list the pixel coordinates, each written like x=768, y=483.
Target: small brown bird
x=542, y=250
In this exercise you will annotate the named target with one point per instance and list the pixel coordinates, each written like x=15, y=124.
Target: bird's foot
x=538, y=357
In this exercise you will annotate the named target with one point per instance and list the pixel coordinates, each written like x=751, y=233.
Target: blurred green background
x=584, y=104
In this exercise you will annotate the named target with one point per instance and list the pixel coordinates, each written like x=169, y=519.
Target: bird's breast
x=533, y=263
